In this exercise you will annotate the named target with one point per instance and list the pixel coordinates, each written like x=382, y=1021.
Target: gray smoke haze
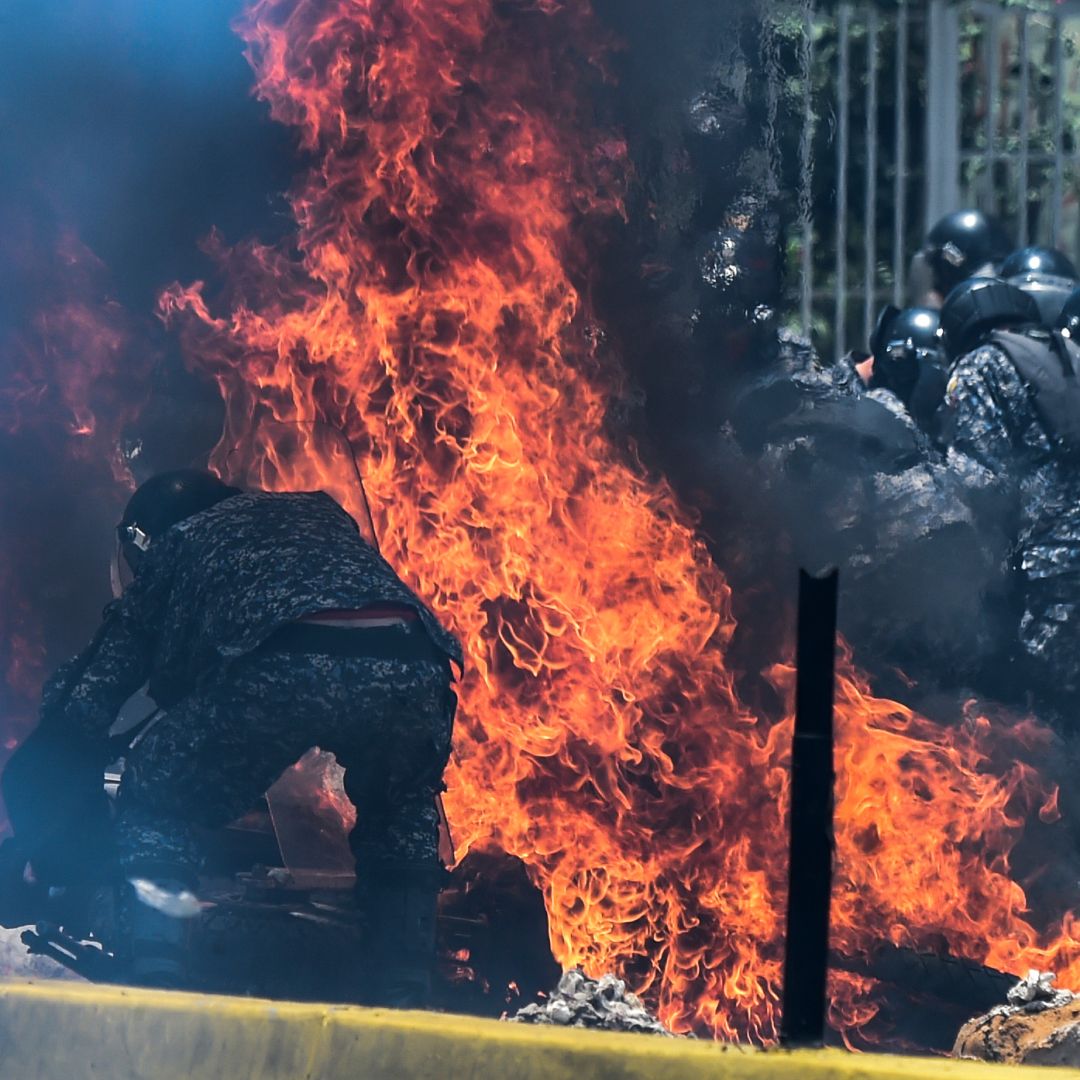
x=131, y=126
x=127, y=130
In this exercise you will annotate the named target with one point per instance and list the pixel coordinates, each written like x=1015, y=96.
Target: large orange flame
x=435, y=309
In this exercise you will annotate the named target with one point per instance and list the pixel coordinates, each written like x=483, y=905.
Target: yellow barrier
x=75, y=1031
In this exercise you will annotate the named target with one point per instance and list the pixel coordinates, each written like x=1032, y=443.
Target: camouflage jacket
x=856, y=483
x=999, y=443
x=213, y=588
x=871, y=480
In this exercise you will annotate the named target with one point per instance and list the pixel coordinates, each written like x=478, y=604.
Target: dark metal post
x=900, y=181
x=810, y=875
x=871, y=180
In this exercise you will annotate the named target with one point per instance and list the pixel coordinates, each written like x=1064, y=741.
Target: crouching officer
x=1014, y=400
x=264, y=625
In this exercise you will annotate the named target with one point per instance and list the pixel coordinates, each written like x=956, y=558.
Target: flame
x=435, y=308
x=71, y=365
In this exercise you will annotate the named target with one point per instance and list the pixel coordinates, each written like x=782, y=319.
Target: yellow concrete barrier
x=74, y=1031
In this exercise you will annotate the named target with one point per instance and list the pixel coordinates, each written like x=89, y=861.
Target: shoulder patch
x=952, y=389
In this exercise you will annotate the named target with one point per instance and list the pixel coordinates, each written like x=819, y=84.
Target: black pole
x=810, y=877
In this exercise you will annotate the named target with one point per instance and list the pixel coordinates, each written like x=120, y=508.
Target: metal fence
x=917, y=109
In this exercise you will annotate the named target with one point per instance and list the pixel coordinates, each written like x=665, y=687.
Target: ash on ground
x=579, y=1001
x=1035, y=993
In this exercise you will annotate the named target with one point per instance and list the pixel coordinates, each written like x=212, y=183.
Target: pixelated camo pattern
x=210, y=758
x=998, y=440
x=215, y=586
x=864, y=488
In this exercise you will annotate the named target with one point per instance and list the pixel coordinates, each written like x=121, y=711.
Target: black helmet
x=962, y=244
x=1048, y=292
x=1038, y=260
x=163, y=501
x=903, y=342
x=979, y=305
x=1047, y=276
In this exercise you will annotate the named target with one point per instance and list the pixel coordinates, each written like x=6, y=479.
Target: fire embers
x=1039, y=1026
x=579, y=1001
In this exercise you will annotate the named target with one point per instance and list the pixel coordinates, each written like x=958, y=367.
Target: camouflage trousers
x=207, y=762
x=1050, y=635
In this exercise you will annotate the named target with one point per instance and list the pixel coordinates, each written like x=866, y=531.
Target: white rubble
x=579, y=1001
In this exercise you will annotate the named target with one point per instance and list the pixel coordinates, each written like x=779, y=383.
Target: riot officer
x=979, y=307
x=1015, y=431
x=856, y=482
x=963, y=244
x=1046, y=275
x=264, y=624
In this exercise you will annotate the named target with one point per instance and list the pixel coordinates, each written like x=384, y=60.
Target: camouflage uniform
x=198, y=623
x=862, y=486
x=872, y=482
x=218, y=750
x=1004, y=452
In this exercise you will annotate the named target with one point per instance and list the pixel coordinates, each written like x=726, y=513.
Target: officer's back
x=1014, y=401
x=220, y=582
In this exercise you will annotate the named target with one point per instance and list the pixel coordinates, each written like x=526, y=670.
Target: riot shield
x=312, y=815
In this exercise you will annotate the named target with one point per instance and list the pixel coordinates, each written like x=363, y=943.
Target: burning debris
x=600, y=708
x=1035, y=993
x=1040, y=1025
x=461, y=356
x=579, y=1001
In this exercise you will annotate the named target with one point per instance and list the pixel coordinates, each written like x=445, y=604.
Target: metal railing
x=918, y=109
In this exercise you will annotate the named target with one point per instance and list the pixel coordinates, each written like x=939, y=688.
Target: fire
x=70, y=365
x=435, y=308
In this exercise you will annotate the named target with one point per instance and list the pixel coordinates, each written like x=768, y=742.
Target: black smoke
x=129, y=131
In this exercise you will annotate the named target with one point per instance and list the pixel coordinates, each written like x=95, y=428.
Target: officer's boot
x=156, y=910
x=398, y=903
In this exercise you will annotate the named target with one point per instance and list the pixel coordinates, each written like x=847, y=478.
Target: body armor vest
x=1050, y=365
